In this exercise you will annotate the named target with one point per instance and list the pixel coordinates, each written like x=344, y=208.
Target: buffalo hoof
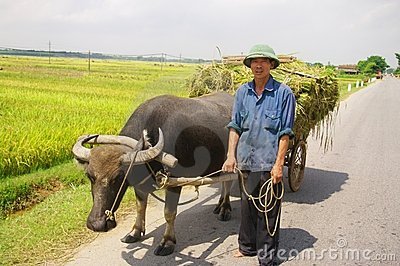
x=132, y=237
x=224, y=215
x=165, y=249
x=217, y=209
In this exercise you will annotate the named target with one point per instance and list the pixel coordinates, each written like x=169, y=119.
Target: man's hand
x=229, y=165
x=277, y=169
x=277, y=173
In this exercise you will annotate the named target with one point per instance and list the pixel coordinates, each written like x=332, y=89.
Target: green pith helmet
x=261, y=50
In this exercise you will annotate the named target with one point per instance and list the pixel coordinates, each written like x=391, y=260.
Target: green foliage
x=397, y=71
x=317, y=64
x=372, y=65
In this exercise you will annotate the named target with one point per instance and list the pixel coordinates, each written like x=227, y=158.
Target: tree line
x=161, y=57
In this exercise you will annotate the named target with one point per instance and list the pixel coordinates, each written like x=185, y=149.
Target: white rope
x=267, y=203
x=110, y=213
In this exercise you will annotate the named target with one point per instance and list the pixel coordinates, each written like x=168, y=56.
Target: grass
x=25, y=191
x=345, y=80
x=48, y=231
x=45, y=107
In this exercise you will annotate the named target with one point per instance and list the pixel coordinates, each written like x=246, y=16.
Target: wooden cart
x=295, y=160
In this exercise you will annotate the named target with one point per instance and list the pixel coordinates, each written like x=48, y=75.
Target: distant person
x=259, y=133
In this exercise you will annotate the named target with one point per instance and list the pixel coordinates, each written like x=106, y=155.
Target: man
x=259, y=133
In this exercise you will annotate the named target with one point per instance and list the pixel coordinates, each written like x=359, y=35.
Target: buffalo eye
x=90, y=177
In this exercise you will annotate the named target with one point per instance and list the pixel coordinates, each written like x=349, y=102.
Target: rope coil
x=264, y=201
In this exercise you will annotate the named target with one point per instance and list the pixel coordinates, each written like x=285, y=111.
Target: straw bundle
x=316, y=91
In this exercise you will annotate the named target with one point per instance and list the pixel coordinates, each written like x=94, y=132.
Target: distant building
x=238, y=59
x=348, y=69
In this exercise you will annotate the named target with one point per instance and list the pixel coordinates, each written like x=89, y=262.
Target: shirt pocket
x=244, y=118
x=272, y=121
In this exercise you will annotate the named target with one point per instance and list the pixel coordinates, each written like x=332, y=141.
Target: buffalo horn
x=146, y=155
x=80, y=152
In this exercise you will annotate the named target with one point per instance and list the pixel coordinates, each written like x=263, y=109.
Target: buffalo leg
x=223, y=208
x=167, y=244
x=139, y=228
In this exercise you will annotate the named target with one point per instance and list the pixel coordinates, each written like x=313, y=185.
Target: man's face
x=261, y=67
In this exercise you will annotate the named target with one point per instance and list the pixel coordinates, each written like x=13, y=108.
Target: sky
x=325, y=31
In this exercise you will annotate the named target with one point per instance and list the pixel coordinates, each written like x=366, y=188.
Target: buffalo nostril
x=111, y=224
x=97, y=225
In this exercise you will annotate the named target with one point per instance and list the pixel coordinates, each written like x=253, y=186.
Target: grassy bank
x=50, y=230
x=345, y=80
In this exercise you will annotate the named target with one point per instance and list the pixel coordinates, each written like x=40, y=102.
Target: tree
x=318, y=64
x=372, y=65
x=397, y=71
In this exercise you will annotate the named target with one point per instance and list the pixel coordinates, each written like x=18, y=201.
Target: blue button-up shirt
x=260, y=122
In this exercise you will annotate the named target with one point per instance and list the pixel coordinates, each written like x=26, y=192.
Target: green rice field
x=45, y=107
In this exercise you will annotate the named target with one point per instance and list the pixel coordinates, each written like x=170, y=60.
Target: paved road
x=346, y=213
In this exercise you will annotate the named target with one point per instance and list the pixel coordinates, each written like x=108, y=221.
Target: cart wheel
x=296, y=165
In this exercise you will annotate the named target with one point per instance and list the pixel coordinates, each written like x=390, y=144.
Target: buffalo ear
x=81, y=164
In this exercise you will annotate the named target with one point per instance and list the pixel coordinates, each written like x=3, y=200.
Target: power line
x=157, y=56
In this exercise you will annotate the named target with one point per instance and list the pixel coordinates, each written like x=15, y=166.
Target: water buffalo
x=192, y=130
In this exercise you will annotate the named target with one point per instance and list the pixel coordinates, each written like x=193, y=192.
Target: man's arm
x=230, y=163
x=277, y=169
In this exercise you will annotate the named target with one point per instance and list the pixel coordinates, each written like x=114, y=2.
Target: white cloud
x=338, y=31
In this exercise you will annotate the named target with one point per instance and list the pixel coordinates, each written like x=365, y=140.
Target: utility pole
x=162, y=60
x=49, y=51
x=89, y=62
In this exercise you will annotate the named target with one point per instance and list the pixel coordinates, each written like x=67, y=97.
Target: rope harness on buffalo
x=110, y=213
x=264, y=202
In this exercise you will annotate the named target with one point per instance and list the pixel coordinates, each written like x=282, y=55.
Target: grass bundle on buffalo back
x=315, y=88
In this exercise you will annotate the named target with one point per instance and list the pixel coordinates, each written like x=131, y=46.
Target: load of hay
x=315, y=88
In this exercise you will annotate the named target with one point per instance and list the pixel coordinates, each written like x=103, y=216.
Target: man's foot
x=238, y=254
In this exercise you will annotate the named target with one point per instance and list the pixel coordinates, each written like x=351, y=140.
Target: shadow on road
x=293, y=241
x=201, y=236
x=198, y=234
x=318, y=185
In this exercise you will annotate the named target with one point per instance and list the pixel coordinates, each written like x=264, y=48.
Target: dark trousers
x=254, y=238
